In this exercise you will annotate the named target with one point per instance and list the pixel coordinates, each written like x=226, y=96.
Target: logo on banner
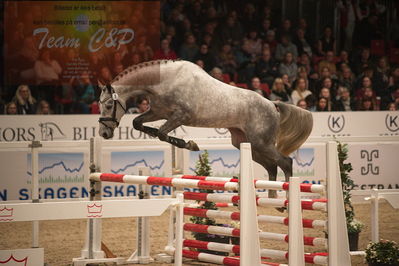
x=336, y=123
x=94, y=210
x=50, y=131
x=14, y=261
x=392, y=122
x=369, y=156
x=6, y=214
x=222, y=131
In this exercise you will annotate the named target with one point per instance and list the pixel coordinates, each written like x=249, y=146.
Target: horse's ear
x=100, y=84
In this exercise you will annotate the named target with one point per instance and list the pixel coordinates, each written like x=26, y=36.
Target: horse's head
x=112, y=108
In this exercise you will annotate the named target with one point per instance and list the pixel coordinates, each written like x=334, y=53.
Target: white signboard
x=83, y=127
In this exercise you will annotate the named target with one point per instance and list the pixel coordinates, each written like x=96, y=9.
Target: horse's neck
x=138, y=81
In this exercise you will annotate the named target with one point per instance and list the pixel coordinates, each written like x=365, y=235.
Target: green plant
x=202, y=168
x=353, y=225
x=383, y=252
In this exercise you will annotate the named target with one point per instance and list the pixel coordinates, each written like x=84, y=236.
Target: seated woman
x=24, y=101
x=279, y=93
x=300, y=92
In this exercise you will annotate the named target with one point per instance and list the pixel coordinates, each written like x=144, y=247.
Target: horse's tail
x=295, y=126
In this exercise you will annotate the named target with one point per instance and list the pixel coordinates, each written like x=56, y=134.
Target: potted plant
x=354, y=226
x=202, y=168
x=382, y=253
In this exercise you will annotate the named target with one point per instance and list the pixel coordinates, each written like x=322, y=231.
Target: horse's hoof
x=192, y=146
x=281, y=209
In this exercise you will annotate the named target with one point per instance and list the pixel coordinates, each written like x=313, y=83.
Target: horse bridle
x=115, y=98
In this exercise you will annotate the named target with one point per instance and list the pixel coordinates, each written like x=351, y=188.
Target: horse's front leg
x=148, y=116
x=172, y=124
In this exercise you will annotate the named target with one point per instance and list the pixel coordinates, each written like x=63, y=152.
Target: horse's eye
x=108, y=106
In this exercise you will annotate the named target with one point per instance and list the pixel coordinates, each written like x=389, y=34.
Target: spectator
x=365, y=83
x=328, y=62
x=265, y=27
x=165, y=52
x=302, y=104
x=279, y=93
x=286, y=30
x=200, y=63
x=266, y=68
x=231, y=32
x=304, y=61
x=189, y=49
x=43, y=108
x=368, y=95
x=85, y=93
x=271, y=41
x=325, y=93
x=344, y=102
x=303, y=25
x=286, y=46
x=226, y=60
x=323, y=105
x=362, y=61
x=326, y=42
x=310, y=102
x=287, y=83
x=143, y=105
x=392, y=107
x=300, y=92
x=327, y=83
x=254, y=43
x=393, y=97
x=217, y=73
x=301, y=43
x=256, y=86
x=25, y=103
x=249, y=16
x=11, y=109
x=347, y=79
x=381, y=76
x=349, y=12
x=289, y=67
x=245, y=62
x=343, y=60
x=366, y=104
x=206, y=57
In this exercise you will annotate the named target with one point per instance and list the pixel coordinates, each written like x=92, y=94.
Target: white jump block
x=22, y=257
x=22, y=212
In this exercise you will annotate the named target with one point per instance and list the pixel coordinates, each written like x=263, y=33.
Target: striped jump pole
x=206, y=213
x=227, y=231
x=216, y=259
x=260, y=184
x=201, y=183
x=265, y=253
x=319, y=205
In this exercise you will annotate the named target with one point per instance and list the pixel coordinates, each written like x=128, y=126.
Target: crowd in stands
x=248, y=46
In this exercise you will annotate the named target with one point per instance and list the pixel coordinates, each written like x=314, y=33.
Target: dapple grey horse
x=183, y=94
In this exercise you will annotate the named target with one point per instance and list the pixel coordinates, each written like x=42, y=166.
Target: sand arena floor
x=63, y=240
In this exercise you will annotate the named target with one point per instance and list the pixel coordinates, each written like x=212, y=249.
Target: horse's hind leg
x=269, y=165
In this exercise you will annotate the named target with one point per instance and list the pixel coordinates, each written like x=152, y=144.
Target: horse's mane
x=135, y=68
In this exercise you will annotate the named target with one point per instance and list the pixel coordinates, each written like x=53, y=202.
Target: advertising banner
x=61, y=47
